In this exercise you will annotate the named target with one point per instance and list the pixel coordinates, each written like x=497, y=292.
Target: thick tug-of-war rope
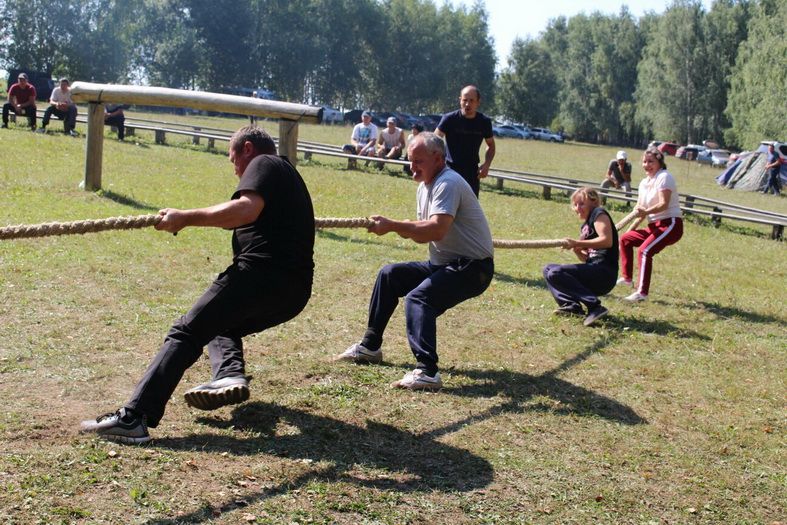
x=142, y=221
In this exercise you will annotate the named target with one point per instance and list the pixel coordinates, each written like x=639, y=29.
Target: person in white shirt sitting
x=61, y=106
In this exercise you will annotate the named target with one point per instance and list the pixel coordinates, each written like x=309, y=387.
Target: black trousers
x=572, y=284
x=119, y=122
x=470, y=174
x=241, y=301
x=30, y=111
x=69, y=117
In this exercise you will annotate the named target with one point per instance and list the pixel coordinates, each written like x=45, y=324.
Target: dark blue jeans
x=429, y=290
x=241, y=301
x=572, y=284
x=69, y=117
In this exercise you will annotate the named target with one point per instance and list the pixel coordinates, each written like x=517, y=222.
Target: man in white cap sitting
x=619, y=173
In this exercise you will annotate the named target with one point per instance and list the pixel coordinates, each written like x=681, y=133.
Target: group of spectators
x=22, y=101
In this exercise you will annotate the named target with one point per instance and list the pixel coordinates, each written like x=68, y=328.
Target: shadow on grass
x=530, y=283
x=645, y=326
x=370, y=240
x=408, y=462
x=523, y=389
x=727, y=312
x=127, y=201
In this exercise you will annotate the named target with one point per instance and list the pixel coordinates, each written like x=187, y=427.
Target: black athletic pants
x=241, y=301
x=30, y=111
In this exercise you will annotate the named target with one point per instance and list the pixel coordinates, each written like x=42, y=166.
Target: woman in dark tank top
x=576, y=287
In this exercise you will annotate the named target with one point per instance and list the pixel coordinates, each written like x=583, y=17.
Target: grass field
x=670, y=411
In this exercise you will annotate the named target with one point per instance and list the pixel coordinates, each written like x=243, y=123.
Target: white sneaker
x=358, y=353
x=623, y=280
x=418, y=380
x=636, y=297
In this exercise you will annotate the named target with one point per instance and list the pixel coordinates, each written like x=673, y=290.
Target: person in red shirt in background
x=22, y=99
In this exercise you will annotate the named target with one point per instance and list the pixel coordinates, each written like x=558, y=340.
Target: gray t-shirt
x=469, y=236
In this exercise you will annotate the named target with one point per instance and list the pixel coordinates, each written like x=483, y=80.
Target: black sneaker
x=596, y=313
x=569, y=309
x=218, y=393
x=121, y=426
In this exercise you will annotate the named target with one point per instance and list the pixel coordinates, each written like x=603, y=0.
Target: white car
x=545, y=134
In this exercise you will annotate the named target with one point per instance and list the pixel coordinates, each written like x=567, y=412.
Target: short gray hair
x=430, y=141
x=263, y=143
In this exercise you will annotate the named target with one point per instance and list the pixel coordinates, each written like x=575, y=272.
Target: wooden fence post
x=160, y=136
x=777, y=232
x=288, y=140
x=689, y=201
x=195, y=138
x=714, y=218
x=94, y=148
x=499, y=183
x=546, y=192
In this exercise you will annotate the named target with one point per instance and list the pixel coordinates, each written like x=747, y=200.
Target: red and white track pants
x=657, y=236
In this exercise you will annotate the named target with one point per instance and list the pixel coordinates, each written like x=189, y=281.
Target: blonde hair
x=587, y=193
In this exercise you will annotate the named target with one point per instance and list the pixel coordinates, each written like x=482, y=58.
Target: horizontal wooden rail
x=159, y=96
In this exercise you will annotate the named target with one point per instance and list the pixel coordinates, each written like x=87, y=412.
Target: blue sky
x=511, y=18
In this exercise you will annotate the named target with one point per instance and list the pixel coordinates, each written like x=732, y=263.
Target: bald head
x=469, y=101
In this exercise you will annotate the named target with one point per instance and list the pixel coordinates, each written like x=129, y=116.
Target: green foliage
x=687, y=74
x=758, y=104
x=528, y=87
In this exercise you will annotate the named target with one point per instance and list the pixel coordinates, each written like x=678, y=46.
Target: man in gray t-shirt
x=460, y=263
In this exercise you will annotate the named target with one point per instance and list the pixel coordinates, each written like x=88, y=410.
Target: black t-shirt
x=283, y=234
x=463, y=137
x=606, y=256
x=614, y=167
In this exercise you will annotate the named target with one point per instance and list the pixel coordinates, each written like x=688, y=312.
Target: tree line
x=686, y=74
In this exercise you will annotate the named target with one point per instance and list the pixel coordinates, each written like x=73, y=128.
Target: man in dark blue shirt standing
x=463, y=131
x=773, y=167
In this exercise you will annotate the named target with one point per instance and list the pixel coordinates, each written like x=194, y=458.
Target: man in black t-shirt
x=269, y=282
x=464, y=130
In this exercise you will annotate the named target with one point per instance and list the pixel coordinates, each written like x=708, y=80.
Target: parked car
x=689, y=152
x=507, y=131
x=545, y=134
x=668, y=148
x=331, y=115
x=430, y=122
x=717, y=158
x=526, y=133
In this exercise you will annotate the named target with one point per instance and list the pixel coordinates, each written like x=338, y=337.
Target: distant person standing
x=253, y=118
x=22, y=100
x=773, y=167
x=619, y=173
x=464, y=130
x=61, y=106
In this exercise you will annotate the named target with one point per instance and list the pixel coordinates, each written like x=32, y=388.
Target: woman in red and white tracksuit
x=658, y=199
